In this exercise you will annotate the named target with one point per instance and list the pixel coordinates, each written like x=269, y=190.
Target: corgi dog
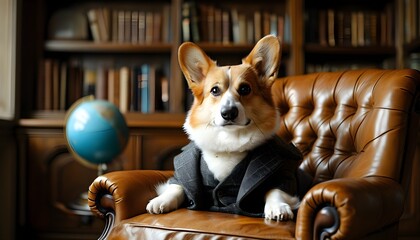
x=232, y=115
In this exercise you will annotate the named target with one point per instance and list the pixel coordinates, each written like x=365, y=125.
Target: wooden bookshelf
x=106, y=47
x=44, y=160
x=348, y=50
x=338, y=34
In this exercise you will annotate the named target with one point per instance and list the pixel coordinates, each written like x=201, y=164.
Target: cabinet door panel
x=55, y=182
x=159, y=149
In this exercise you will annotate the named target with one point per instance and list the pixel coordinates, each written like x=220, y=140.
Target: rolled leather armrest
x=125, y=192
x=360, y=206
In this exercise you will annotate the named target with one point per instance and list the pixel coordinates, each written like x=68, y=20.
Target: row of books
x=351, y=28
x=130, y=26
x=139, y=88
x=411, y=20
x=208, y=23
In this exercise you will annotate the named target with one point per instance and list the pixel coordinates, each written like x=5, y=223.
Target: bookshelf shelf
x=55, y=119
x=364, y=50
x=234, y=48
x=110, y=47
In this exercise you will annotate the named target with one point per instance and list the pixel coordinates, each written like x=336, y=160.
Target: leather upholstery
x=357, y=131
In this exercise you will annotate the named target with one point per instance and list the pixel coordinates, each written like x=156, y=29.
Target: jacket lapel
x=187, y=172
x=261, y=166
x=266, y=160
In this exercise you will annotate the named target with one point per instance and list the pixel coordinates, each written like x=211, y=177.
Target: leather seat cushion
x=189, y=224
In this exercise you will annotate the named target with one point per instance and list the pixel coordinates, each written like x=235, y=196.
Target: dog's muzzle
x=229, y=113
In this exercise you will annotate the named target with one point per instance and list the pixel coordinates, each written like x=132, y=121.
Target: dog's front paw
x=278, y=211
x=161, y=204
x=170, y=198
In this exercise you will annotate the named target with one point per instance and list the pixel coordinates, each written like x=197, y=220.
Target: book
x=55, y=84
x=166, y=24
x=339, y=26
x=354, y=29
x=101, y=83
x=149, y=28
x=265, y=23
x=157, y=27
x=218, y=22
x=185, y=24
x=142, y=27
x=242, y=29
x=121, y=26
x=280, y=27
x=106, y=12
x=114, y=26
x=127, y=26
x=114, y=86
x=124, y=77
x=111, y=87
x=204, y=25
x=257, y=26
x=134, y=27
x=225, y=27
x=360, y=29
x=152, y=87
x=194, y=23
x=235, y=25
x=250, y=31
x=135, y=88
x=274, y=25
x=93, y=24
x=75, y=79
x=211, y=24
x=89, y=82
x=48, y=84
x=144, y=86
x=164, y=83
x=63, y=85
x=331, y=27
x=101, y=14
x=41, y=85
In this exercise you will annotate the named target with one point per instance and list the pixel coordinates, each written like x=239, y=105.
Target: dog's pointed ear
x=194, y=63
x=265, y=57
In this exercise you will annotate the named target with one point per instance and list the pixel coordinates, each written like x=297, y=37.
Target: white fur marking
x=170, y=198
x=279, y=205
x=222, y=164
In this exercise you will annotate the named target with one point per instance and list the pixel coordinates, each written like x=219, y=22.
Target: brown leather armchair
x=357, y=130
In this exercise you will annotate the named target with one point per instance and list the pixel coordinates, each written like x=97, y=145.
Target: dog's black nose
x=229, y=113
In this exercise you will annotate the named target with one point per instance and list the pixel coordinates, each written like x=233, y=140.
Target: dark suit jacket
x=271, y=165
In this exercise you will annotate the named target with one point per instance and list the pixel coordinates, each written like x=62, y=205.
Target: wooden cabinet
x=53, y=181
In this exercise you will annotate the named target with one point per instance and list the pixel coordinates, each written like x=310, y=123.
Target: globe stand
x=80, y=206
x=102, y=167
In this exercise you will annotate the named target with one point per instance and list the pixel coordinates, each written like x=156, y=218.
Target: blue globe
x=96, y=131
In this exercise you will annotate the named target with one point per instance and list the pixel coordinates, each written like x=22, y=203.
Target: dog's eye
x=244, y=89
x=215, y=91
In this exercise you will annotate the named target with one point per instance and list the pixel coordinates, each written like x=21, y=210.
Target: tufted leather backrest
x=350, y=124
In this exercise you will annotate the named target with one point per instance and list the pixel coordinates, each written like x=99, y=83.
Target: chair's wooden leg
x=109, y=223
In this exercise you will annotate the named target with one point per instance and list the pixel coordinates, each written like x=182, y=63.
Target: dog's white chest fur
x=222, y=164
